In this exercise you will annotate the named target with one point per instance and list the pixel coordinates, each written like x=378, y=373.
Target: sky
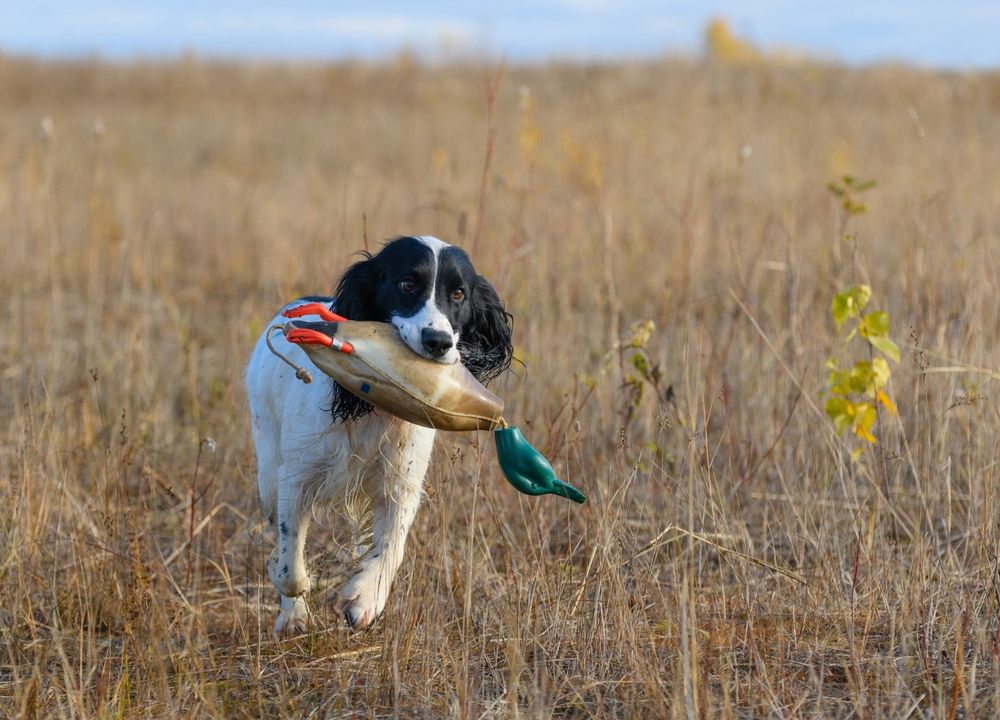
x=960, y=34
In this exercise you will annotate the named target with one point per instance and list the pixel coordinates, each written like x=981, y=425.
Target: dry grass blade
x=660, y=541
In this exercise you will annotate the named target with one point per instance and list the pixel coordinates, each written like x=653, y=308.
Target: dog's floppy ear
x=485, y=341
x=355, y=301
x=356, y=291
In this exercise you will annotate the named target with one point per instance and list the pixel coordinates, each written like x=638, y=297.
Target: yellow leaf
x=881, y=370
x=862, y=432
x=886, y=401
x=864, y=421
x=723, y=45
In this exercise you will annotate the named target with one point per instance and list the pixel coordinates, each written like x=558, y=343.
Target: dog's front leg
x=394, y=506
x=286, y=567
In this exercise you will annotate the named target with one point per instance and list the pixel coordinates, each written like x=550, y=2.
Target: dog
x=319, y=443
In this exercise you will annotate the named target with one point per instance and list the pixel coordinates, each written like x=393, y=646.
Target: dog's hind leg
x=286, y=567
x=394, y=506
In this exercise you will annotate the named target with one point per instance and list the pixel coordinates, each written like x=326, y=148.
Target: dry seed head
x=46, y=129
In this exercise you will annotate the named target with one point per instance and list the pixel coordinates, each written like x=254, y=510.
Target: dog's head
x=444, y=310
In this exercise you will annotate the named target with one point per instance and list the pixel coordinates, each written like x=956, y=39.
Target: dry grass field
x=732, y=560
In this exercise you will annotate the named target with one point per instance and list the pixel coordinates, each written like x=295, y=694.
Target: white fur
x=435, y=244
x=429, y=316
x=304, y=457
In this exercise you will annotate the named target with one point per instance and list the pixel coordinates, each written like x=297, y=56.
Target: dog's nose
x=437, y=342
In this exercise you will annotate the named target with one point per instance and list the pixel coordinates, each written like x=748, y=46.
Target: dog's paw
x=364, y=596
x=289, y=580
x=294, y=617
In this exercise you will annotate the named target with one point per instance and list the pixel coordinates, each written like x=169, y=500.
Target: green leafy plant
x=856, y=392
x=640, y=372
x=848, y=191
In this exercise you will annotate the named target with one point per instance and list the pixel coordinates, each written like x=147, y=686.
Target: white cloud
x=376, y=28
x=394, y=27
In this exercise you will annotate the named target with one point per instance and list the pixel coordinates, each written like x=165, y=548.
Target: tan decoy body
x=384, y=371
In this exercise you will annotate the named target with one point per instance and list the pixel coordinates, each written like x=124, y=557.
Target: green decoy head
x=527, y=469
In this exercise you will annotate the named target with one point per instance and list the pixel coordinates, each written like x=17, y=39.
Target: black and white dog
x=318, y=442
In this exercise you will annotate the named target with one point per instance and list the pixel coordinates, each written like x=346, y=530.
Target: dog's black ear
x=356, y=291
x=355, y=301
x=485, y=341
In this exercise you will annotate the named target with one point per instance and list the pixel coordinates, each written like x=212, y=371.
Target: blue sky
x=957, y=34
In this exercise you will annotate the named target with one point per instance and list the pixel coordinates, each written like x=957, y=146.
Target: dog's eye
x=407, y=285
x=458, y=295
